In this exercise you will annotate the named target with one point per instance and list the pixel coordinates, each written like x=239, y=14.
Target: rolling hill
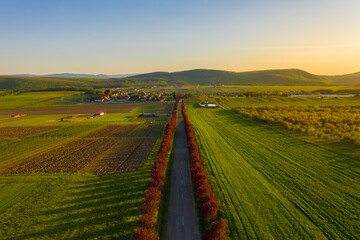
x=75, y=75
x=267, y=77
x=196, y=76
x=347, y=79
x=37, y=83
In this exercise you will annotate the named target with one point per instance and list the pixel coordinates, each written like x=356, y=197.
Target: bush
x=146, y=234
x=147, y=222
x=209, y=206
x=216, y=231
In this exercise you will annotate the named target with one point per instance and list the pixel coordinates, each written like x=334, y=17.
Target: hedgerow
x=147, y=223
x=205, y=196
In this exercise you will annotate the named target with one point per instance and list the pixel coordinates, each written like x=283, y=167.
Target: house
x=98, y=99
x=147, y=115
x=122, y=98
x=207, y=104
x=99, y=113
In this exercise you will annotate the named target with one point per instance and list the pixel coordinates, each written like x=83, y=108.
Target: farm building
x=148, y=115
x=207, y=104
x=18, y=115
x=99, y=113
x=98, y=99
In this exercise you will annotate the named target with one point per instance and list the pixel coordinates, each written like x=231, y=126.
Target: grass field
x=39, y=99
x=72, y=205
x=272, y=186
x=201, y=89
x=232, y=102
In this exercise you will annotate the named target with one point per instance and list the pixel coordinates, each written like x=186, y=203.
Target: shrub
x=209, y=206
x=216, y=231
x=147, y=222
x=146, y=234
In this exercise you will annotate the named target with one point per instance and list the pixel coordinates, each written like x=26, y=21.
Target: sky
x=134, y=36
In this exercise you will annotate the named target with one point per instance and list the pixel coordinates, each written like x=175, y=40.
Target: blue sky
x=111, y=37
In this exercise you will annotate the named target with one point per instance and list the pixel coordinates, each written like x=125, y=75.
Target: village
x=117, y=96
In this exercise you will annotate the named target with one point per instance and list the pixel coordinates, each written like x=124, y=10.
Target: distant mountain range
x=74, y=75
x=196, y=76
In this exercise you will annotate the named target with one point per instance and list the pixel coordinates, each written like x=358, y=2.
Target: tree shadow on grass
x=294, y=138
x=99, y=207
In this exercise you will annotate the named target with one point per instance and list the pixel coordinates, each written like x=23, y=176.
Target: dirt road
x=182, y=221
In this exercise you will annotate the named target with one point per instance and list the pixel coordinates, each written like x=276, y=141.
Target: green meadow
x=69, y=205
x=39, y=99
x=72, y=206
x=275, y=186
x=233, y=102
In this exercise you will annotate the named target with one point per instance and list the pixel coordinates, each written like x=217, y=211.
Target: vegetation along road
x=272, y=186
x=182, y=223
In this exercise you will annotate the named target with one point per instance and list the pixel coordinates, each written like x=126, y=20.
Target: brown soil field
x=13, y=132
x=112, y=131
x=152, y=130
x=99, y=156
x=70, y=131
x=129, y=157
x=85, y=109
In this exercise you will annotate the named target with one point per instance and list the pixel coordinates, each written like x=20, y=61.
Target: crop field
x=273, y=186
x=72, y=206
x=15, y=132
x=39, y=99
x=328, y=122
x=232, y=102
x=75, y=180
x=80, y=109
x=112, y=131
x=203, y=89
x=151, y=130
x=107, y=155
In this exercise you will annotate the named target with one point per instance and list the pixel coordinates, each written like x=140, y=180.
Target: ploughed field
x=102, y=151
x=76, y=180
x=14, y=132
x=274, y=186
x=78, y=109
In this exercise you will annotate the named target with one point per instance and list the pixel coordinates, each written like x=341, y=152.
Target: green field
x=273, y=186
x=39, y=99
x=233, y=102
x=70, y=205
x=209, y=89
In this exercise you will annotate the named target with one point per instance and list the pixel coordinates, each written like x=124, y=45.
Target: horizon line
x=133, y=74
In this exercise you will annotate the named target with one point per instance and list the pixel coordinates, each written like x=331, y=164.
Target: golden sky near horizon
x=122, y=37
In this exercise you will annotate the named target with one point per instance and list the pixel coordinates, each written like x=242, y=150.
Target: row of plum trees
x=209, y=206
x=148, y=220
x=327, y=122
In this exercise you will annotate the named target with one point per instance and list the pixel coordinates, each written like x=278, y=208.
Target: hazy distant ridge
x=74, y=75
x=196, y=76
x=266, y=77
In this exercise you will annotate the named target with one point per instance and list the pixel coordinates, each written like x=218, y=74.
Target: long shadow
x=103, y=207
x=293, y=138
